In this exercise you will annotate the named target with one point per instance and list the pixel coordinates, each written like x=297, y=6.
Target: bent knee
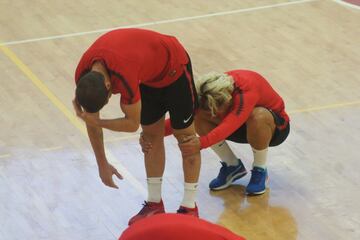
x=181, y=134
x=181, y=138
x=259, y=116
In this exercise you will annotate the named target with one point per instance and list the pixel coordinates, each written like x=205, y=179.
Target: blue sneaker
x=258, y=181
x=227, y=175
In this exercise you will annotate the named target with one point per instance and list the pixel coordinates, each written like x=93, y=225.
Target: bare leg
x=191, y=164
x=191, y=168
x=154, y=159
x=154, y=166
x=260, y=128
x=204, y=124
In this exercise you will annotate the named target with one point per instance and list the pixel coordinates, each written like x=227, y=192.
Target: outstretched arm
x=95, y=133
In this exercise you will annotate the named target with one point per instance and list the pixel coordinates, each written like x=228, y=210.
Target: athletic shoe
x=258, y=181
x=149, y=209
x=189, y=211
x=227, y=175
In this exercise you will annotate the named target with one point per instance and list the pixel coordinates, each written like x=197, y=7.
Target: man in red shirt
x=152, y=73
x=240, y=106
x=176, y=227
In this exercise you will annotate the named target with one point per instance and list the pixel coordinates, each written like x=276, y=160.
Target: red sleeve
x=168, y=128
x=244, y=104
x=126, y=98
x=129, y=85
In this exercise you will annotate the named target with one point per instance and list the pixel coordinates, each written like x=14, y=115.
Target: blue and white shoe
x=258, y=181
x=227, y=175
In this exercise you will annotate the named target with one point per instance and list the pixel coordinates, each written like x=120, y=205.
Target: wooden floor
x=309, y=51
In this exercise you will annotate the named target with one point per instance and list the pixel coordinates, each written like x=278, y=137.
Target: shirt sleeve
x=82, y=67
x=130, y=99
x=125, y=80
x=244, y=104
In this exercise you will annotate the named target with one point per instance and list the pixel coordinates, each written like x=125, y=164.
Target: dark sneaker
x=227, y=175
x=149, y=209
x=258, y=181
x=189, y=211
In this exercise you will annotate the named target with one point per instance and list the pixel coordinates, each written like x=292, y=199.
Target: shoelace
x=145, y=204
x=255, y=176
x=222, y=169
x=182, y=210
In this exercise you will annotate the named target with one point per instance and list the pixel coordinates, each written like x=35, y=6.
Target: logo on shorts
x=186, y=120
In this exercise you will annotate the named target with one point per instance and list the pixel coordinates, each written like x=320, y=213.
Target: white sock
x=260, y=158
x=189, y=195
x=225, y=153
x=154, y=189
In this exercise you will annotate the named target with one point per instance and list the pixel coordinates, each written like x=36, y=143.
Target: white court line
x=182, y=19
x=51, y=149
x=347, y=4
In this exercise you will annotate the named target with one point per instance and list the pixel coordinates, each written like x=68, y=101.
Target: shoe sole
x=233, y=179
x=256, y=193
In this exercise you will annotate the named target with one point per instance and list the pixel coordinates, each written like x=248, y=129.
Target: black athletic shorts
x=240, y=135
x=179, y=98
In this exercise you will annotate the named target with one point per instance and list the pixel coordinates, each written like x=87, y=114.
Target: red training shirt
x=133, y=56
x=176, y=227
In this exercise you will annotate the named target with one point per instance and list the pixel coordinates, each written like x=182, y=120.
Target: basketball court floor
x=309, y=50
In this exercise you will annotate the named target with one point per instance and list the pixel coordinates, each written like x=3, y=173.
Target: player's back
x=176, y=227
x=248, y=80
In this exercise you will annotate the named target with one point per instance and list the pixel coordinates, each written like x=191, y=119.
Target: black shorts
x=179, y=98
x=240, y=135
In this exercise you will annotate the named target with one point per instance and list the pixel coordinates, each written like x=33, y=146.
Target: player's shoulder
x=242, y=72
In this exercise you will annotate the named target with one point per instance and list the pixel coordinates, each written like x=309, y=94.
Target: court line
x=49, y=149
x=69, y=115
x=330, y=106
x=347, y=4
x=181, y=19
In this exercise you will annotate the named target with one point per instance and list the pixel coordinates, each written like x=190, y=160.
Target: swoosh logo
x=186, y=120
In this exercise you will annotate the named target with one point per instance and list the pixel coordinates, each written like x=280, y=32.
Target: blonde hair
x=214, y=89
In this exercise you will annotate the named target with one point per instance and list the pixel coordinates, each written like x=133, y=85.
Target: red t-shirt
x=251, y=90
x=176, y=227
x=133, y=56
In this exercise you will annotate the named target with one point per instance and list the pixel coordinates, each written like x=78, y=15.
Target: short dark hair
x=91, y=92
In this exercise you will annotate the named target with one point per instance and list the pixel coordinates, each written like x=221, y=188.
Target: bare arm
x=97, y=141
x=129, y=123
x=95, y=134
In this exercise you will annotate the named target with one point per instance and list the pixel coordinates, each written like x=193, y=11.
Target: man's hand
x=190, y=145
x=106, y=171
x=145, y=145
x=91, y=119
